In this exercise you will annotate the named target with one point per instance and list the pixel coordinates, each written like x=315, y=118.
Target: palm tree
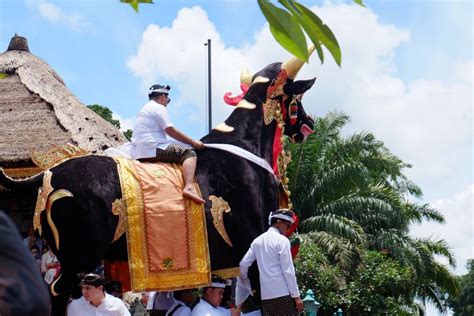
x=352, y=195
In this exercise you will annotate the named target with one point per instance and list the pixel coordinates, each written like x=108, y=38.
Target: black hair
x=91, y=279
x=179, y=294
x=34, y=247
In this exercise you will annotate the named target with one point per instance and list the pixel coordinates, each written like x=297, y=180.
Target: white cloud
x=458, y=230
x=125, y=123
x=56, y=15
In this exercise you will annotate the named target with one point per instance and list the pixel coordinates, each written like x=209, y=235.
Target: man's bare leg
x=189, y=168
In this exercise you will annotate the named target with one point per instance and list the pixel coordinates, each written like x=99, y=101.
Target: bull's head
x=284, y=96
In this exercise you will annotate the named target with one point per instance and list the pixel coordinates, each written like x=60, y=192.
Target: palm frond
x=341, y=250
x=336, y=225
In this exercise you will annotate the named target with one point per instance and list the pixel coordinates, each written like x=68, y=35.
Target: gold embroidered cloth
x=166, y=234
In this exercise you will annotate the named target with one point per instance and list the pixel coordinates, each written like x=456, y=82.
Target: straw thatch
x=37, y=111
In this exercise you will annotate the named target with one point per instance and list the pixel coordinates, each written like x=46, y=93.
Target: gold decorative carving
x=227, y=273
x=51, y=286
x=272, y=111
x=57, y=155
x=42, y=199
x=118, y=209
x=218, y=207
x=53, y=197
x=23, y=172
x=223, y=127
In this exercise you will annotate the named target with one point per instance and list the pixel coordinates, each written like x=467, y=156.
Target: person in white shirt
x=49, y=265
x=151, y=139
x=160, y=302
x=279, y=291
x=94, y=301
x=209, y=304
x=184, y=299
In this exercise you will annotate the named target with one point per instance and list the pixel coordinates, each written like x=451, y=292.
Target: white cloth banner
x=125, y=150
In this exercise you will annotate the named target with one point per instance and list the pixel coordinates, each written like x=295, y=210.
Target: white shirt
x=49, y=273
x=149, y=131
x=275, y=265
x=183, y=310
x=203, y=308
x=160, y=301
x=110, y=306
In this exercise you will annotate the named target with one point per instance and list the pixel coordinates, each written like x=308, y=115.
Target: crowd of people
x=46, y=260
x=271, y=251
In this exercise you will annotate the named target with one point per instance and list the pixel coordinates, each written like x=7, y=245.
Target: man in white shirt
x=94, y=301
x=151, y=139
x=209, y=304
x=279, y=291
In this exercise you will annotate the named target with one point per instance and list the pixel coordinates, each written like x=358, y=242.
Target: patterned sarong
x=280, y=306
x=166, y=234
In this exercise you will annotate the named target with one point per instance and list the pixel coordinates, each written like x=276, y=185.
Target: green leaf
x=3, y=75
x=360, y=2
x=285, y=29
x=135, y=3
x=306, y=26
x=317, y=31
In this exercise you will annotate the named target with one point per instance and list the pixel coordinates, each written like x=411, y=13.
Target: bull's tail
x=31, y=183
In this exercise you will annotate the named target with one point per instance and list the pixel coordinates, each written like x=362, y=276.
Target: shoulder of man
x=113, y=301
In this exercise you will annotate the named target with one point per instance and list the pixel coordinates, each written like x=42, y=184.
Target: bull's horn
x=246, y=77
x=294, y=64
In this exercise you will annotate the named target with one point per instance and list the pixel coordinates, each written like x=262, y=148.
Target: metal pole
x=208, y=44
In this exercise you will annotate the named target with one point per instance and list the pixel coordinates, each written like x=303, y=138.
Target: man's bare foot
x=191, y=194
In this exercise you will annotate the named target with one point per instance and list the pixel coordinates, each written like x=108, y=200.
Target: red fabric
x=293, y=226
x=294, y=251
x=118, y=271
x=235, y=100
x=277, y=148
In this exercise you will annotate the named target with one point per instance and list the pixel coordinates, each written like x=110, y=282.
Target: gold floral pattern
x=57, y=155
x=271, y=111
x=158, y=173
x=168, y=263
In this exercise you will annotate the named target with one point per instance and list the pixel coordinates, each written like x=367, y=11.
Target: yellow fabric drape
x=166, y=234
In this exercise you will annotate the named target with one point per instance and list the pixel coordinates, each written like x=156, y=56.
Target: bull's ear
x=298, y=87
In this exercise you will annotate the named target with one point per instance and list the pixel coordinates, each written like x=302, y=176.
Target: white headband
x=159, y=90
x=285, y=217
x=219, y=285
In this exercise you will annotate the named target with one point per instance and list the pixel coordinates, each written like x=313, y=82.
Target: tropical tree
x=352, y=196
x=107, y=115
x=463, y=304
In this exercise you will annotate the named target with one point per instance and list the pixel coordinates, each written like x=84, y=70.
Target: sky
x=406, y=75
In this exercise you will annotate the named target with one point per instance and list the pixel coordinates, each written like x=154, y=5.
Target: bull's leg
x=59, y=305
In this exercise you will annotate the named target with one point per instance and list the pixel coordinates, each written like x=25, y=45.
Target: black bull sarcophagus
x=85, y=224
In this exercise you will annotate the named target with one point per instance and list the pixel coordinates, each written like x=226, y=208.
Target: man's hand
x=299, y=304
x=197, y=144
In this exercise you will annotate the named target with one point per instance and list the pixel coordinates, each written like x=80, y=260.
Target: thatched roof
x=37, y=111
